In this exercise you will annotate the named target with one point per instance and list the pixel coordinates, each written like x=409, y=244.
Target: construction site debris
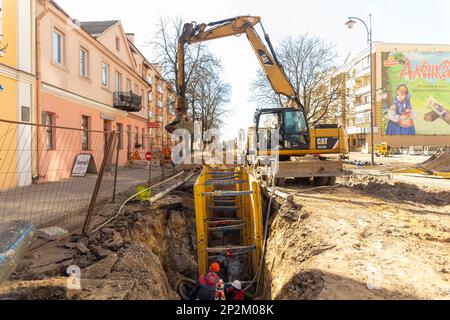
x=52, y=233
x=141, y=255
x=365, y=239
x=82, y=247
x=100, y=269
x=168, y=203
x=437, y=165
x=389, y=190
x=15, y=239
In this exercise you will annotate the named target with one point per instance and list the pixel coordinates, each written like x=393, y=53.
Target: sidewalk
x=67, y=200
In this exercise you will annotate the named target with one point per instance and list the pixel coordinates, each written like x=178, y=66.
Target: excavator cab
x=292, y=127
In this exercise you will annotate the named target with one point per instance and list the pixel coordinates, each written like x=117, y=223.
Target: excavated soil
x=139, y=256
x=366, y=238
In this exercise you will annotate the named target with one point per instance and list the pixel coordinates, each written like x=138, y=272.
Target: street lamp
x=350, y=24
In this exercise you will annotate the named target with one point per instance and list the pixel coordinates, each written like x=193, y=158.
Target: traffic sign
x=154, y=125
x=149, y=156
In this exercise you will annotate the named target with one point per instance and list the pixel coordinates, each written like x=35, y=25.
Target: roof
x=97, y=28
x=59, y=8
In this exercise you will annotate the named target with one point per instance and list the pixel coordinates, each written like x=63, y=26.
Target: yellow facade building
x=17, y=80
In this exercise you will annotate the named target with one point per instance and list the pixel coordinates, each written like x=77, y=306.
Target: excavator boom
x=195, y=33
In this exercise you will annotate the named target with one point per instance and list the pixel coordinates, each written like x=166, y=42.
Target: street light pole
x=350, y=24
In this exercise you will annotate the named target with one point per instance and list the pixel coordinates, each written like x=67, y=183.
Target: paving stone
x=100, y=252
x=107, y=230
x=82, y=247
x=100, y=269
x=116, y=242
x=52, y=233
x=169, y=203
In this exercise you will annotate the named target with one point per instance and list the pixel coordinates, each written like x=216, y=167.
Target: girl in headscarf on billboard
x=401, y=116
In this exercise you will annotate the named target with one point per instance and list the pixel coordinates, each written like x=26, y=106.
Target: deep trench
x=153, y=253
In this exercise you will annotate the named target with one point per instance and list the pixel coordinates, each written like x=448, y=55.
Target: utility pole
x=350, y=24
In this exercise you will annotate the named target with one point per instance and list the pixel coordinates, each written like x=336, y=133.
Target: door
x=129, y=148
x=107, y=126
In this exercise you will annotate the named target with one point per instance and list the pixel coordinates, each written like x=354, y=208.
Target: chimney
x=130, y=36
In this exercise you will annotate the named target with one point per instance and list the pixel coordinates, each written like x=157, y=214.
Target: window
x=128, y=85
x=366, y=99
x=143, y=97
x=149, y=79
x=58, y=47
x=136, y=89
x=136, y=136
x=295, y=122
x=143, y=138
x=105, y=75
x=118, y=82
x=47, y=119
x=83, y=63
x=85, y=134
x=150, y=97
x=117, y=43
x=120, y=135
x=26, y=114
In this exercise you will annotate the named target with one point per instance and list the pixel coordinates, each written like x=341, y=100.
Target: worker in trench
x=235, y=292
x=206, y=286
x=223, y=260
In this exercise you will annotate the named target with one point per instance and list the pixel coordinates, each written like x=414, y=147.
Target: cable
x=133, y=196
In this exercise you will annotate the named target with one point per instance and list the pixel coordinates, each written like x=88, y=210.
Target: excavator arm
x=195, y=33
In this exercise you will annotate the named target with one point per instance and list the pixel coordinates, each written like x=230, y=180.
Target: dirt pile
x=139, y=256
x=387, y=189
x=369, y=238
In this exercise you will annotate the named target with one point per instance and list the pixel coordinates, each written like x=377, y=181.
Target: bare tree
x=206, y=94
x=212, y=94
x=309, y=65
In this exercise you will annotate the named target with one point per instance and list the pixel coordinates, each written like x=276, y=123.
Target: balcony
x=362, y=90
x=363, y=108
x=127, y=101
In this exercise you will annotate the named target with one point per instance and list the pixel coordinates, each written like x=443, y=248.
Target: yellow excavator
x=303, y=152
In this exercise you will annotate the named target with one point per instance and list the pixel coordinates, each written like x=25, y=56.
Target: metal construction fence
x=59, y=176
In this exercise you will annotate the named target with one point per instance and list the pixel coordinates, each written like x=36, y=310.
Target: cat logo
x=327, y=143
x=265, y=58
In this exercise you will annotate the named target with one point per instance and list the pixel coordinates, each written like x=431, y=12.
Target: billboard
x=418, y=93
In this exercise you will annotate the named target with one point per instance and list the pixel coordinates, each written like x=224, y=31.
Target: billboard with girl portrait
x=418, y=93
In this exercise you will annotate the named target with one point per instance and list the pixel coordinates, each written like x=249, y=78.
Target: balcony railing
x=127, y=101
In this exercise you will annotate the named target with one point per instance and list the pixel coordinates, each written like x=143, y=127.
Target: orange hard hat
x=214, y=267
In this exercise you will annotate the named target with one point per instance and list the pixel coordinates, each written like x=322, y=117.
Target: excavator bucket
x=184, y=122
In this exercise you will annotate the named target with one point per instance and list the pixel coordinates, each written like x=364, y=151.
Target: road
x=66, y=200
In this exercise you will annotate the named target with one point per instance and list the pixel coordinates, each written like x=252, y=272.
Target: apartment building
x=91, y=76
x=412, y=96
x=58, y=71
x=162, y=108
x=17, y=82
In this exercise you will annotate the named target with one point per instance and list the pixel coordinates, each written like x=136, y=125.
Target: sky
x=401, y=21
